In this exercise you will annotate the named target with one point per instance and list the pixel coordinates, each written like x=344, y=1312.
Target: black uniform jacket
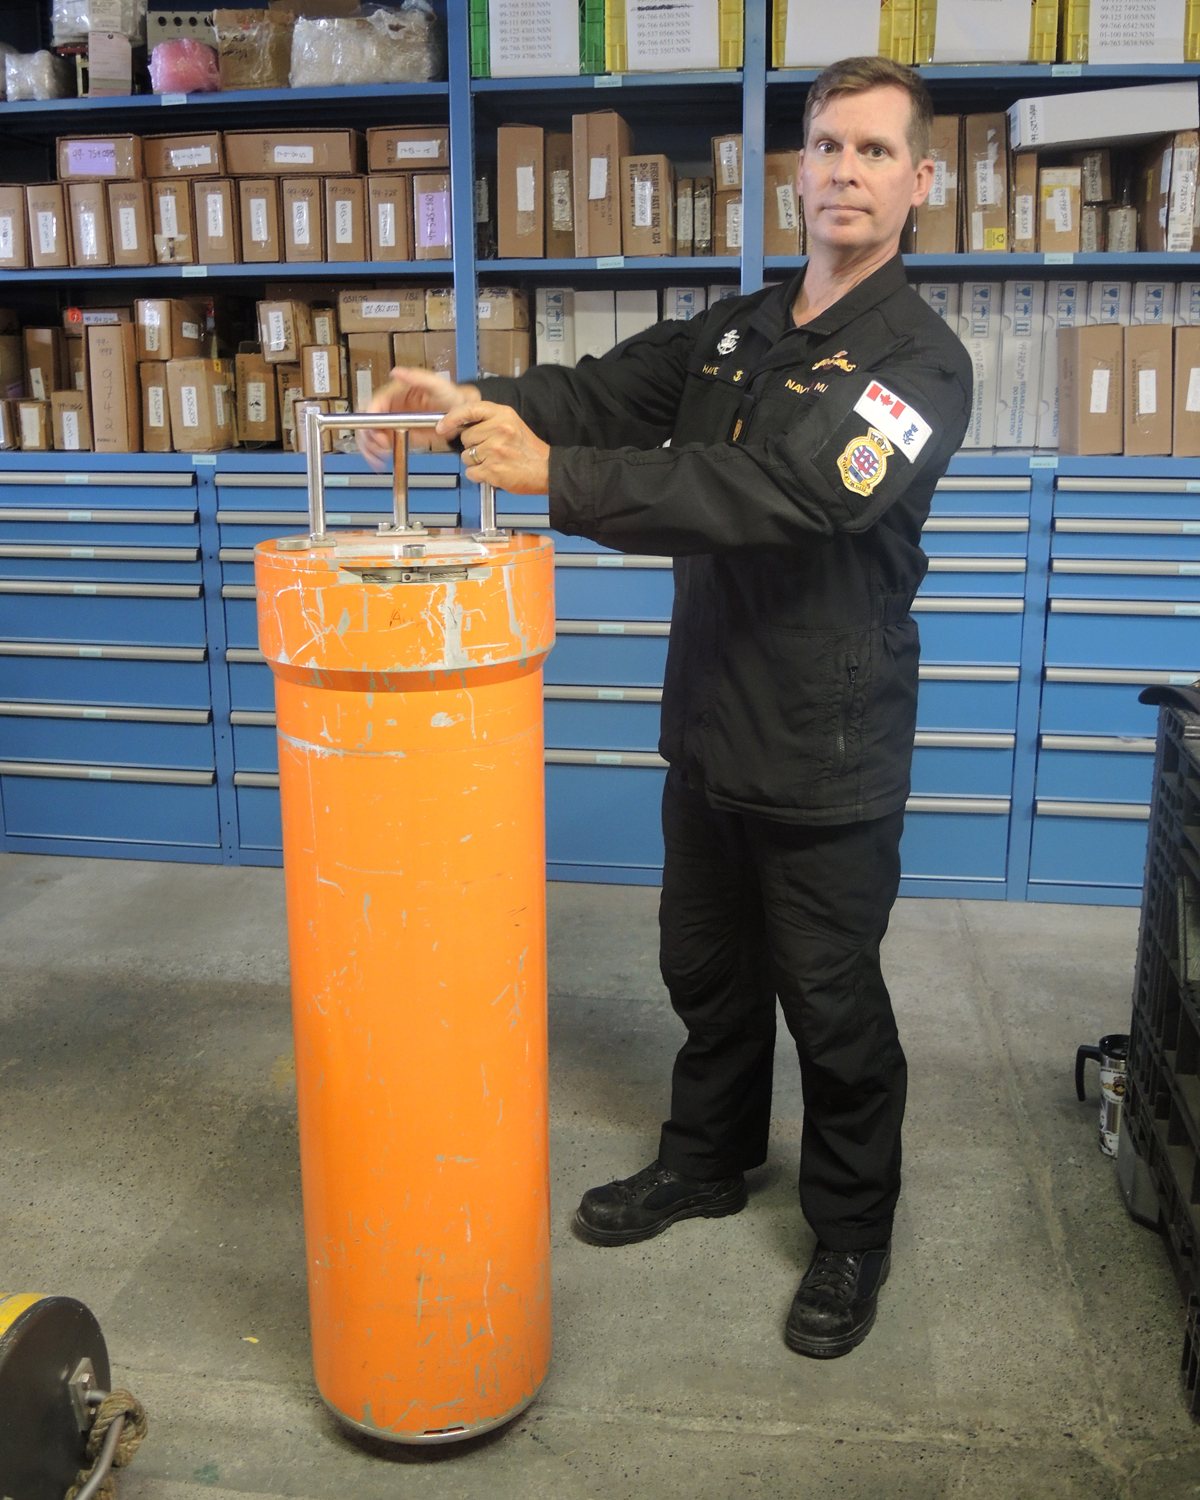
x=799, y=471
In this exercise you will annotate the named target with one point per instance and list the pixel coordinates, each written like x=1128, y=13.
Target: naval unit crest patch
x=863, y=461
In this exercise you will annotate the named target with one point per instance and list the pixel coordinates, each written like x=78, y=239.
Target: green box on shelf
x=591, y=37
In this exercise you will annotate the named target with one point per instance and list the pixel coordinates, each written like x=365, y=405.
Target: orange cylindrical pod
x=408, y=694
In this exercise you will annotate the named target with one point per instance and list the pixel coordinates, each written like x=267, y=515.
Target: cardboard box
x=560, y=196
x=1109, y=302
x=10, y=425
x=14, y=240
x=87, y=213
x=963, y=32
x=637, y=310
x=129, y=222
x=36, y=429
x=727, y=223
x=520, y=196
x=390, y=216
x=441, y=354
x=283, y=330
x=45, y=362
x=554, y=325
x=289, y=388
x=173, y=223
x=169, y=328
x=1153, y=302
x=12, y=367
x=304, y=153
x=414, y=148
x=942, y=298
x=369, y=360
x=439, y=308
x=218, y=221
x=1019, y=384
x=408, y=350
x=323, y=368
x=156, y=410
x=257, y=401
x=702, y=216
x=71, y=421
x=781, y=205
x=503, y=352
x=1185, y=432
x=88, y=157
x=431, y=216
x=1090, y=395
x=683, y=303
x=1187, y=304
x=396, y=309
x=1181, y=204
x=1149, y=358
x=1091, y=228
x=1025, y=203
x=1058, y=220
x=683, y=215
x=1103, y=116
x=979, y=317
x=115, y=390
x=49, y=240
x=598, y=142
x=203, y=405
x=324, y=323
x=648, y=205
x=595, y=323
x=199, y=155
x=1121, y=230
x=727, y=162
x=1096, y=182
x=262, y=230
x=1066, y=306
x=985, y=163
x=500, y=308
x=346, y=218
x=303, y=204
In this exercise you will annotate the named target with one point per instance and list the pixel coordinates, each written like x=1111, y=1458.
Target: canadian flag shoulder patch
x=899, y=421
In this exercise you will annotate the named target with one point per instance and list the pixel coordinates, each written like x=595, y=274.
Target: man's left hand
x=498, y=448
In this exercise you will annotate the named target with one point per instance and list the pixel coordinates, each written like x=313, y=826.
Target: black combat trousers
x=753, y=910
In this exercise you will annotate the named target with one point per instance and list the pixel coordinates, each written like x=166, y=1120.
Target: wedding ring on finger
x=473, y=455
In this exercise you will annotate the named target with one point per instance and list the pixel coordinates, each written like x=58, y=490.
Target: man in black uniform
x=783, y=448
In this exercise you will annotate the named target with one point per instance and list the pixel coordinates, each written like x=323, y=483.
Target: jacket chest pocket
x=708, y=411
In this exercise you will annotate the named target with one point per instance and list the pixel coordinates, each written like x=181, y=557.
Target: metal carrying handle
x=401, y=424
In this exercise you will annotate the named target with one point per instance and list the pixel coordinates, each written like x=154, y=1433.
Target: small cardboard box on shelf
x=156, y=410
x=520, y=199
x=115, y=391
x=781, y=206
x=216, y=205
x=45, y=362
x=393, y=309
x=71, y=421
x=1147, y=381
x=1185, y=434
x=560, y=196
x=49, y=241
x=323, y=371
x=303, y=220
x=1058, y=220
x=34, y=425
x=284, y=327
x=1103, y=117
x=198, y=155
x=88, y=157
x=346, y=218
x=727, y=223
x=87, y=214
x=14, y=242
x=390, y=216
x=503, y=351
x=129, y=220
x=411, y=148
x=431, y=216
x=169, y=328
x=370, y=364
x=648, y=205
x=1090, y=395
x=257, y=402
x=598, y=142
x=173, y=222
x=727, y=162
x=304, y=153
x=203, y=406
x=262, y=236
x=985, y=164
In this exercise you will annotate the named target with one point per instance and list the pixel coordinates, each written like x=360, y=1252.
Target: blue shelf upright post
x=462, y=201
x=754, y=133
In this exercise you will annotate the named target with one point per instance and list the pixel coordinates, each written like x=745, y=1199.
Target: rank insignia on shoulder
x=863, y=461
x=836, y=361
x=728, y=342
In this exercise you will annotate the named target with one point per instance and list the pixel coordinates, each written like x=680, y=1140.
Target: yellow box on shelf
x=811, y=34
x=644, y=36
x=1042, y=46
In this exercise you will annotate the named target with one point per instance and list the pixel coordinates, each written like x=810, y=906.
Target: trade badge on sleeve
x=906, y=427
x=863, y=462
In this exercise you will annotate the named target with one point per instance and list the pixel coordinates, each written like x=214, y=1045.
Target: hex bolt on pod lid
x=408, y=692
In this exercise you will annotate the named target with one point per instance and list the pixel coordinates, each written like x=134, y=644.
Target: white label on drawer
x=381, y=309
x=7, y=250
x=1180, y=679
x=256, y=401
x=191, y=406
x=95, y=713
x=79, y=515
x=364, y=389
x=728, y=153
x=127, y=227
x=258, y=221
x=156, y=406
x=76, y=479
x=80, y=551
x=387, y=226
x=1023, y=228
x=614, y=695
x=418, y=150
x=70, y=437
x=276, y=331
x=937, y=192
x=1099, y=399
x=607, y=758
x=190, y=331
x=215, y=203
x=99, y=775
x=343, y=221
x=90, y=651
x=83, y=588
x=320, y=372
x=1147, y=392
x=1187, y=609
x=610, y=562
x=47, y=228
x=300, y=221
x=88, y=248
x=31, y=428
x=525, y=190
x=1189, y=570
x=598, y=178
x=37, y=384
x=294, y=156
x=184, y=158
x=733, y=224
x=1191, y=528
x=167, y=217
x=614, y=629
x=643, y=203
x=219, y=394
x=1192, y=403
x=785, y=206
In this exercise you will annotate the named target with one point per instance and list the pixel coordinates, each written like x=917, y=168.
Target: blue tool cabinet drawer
x=241, y=615
x=1099, y=844
x=95, y=490
x=1099, y=537
x=1103, y=633
x=109, y=736
x=1133, y=499
x=255, y=744
x=947, y=838
x=86, y=528
x=969, y=630
x=250, y=683
x=1095, y=768
x=1091, y=578
x=618, y=653
x=581, y=718
x=599, y=814
x=156, y=614
x=111, y=564
x=975, y=536
x=118, y=808
x=146, y=676
x=979, y=698
x=958, y=495
x=609, y=586
x=260, y=824
x=1003, y=577
x=962, y=765
x=1103, y=700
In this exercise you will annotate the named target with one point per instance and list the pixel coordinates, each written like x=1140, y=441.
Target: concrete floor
x=1027, y=1344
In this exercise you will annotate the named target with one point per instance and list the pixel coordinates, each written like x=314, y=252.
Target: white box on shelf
x=1022, y=332
x=595, y=323
x=942, y=297
x=968, y=32
x=1134, y=31
x=687, y=36
x=1153, y=304
x=1066, y=307
x=1110, y=302
x=818, y=35
x=533, y=41
x=637, y=310
x=979, y=329
x=722, y=292
x=1103, y=117
x=1187, y=305
x=683, y=302
x=554, y=325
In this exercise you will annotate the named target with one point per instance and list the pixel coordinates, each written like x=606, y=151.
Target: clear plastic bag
x=254, y=48
x=37, y=75
x=183, y=65
x=71, y=20
x=400, y=45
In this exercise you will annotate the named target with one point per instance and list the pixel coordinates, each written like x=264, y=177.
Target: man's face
x=857, y=176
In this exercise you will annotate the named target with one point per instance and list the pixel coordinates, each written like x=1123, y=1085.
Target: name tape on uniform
x=895, y=418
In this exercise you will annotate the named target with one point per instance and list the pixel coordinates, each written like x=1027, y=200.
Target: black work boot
x=639, y=1207
x=834, y=1308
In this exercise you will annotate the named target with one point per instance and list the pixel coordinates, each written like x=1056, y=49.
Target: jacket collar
x=773, y=316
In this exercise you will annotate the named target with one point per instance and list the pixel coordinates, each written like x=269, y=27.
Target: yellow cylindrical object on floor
x=408, y=689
